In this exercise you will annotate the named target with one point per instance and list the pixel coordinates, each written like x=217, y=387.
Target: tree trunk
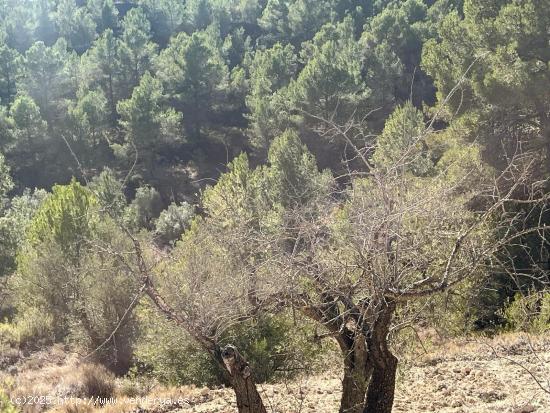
x=381, y=388
x=354, y=347
x=357, y=372
x=242, y=381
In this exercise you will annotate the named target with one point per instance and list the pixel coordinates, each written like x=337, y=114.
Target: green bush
x=135, y=384
x=71, y=283
x=109, y=191
x=65, y=218
x=166, y=352
x=144, y=209
x=6, y=406
x=34, y=328
x=29, y=329
x=451, y=314
x=273, y=345
x=529, y=313
x=13, y=226
x=477, y=304
x=9, y=336
x=541, y=323
x=173, y=221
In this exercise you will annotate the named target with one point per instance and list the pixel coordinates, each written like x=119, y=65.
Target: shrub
x=106, y=288
x=9, y=337
x=450, y=314
x=66, y=218
x=173, y=221
x=274, y=346
x=29, y=329
x=541, y=324
x=34, y=328
x=168, y=354
x=71, y=278
x=144, y=209
x=529, y=313
x=97, y=382
x=6, y=406
x=135, y=384
x=109, y=191
x=13, y=226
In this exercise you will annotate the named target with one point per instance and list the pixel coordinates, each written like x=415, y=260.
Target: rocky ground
x=510, y=373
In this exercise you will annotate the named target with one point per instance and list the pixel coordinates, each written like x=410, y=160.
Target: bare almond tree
x=203, y=288
x=348, y=258
x=391, y=237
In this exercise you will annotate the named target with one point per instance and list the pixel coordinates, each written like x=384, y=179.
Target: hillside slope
x=510, y=373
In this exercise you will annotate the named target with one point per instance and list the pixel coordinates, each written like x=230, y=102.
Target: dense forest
x=226, y=191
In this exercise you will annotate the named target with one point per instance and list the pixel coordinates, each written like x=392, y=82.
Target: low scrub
x=97, y=382
x=29, y=329
x=276, y=347
x=529, y=313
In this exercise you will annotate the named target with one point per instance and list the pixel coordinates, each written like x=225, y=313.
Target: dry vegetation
x=509, y=373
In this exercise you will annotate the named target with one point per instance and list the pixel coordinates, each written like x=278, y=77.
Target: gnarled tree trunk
x=357, y=372
x=353, y=345
x=381, y=390
x=242, y=381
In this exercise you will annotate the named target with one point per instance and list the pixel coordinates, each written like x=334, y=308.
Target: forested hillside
x=231, y=191
x=186, y=86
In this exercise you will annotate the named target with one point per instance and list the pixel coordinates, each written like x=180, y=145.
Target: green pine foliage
x=193, y=126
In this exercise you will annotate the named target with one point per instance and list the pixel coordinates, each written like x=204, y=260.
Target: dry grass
x=97, y=382
x=57, y=375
